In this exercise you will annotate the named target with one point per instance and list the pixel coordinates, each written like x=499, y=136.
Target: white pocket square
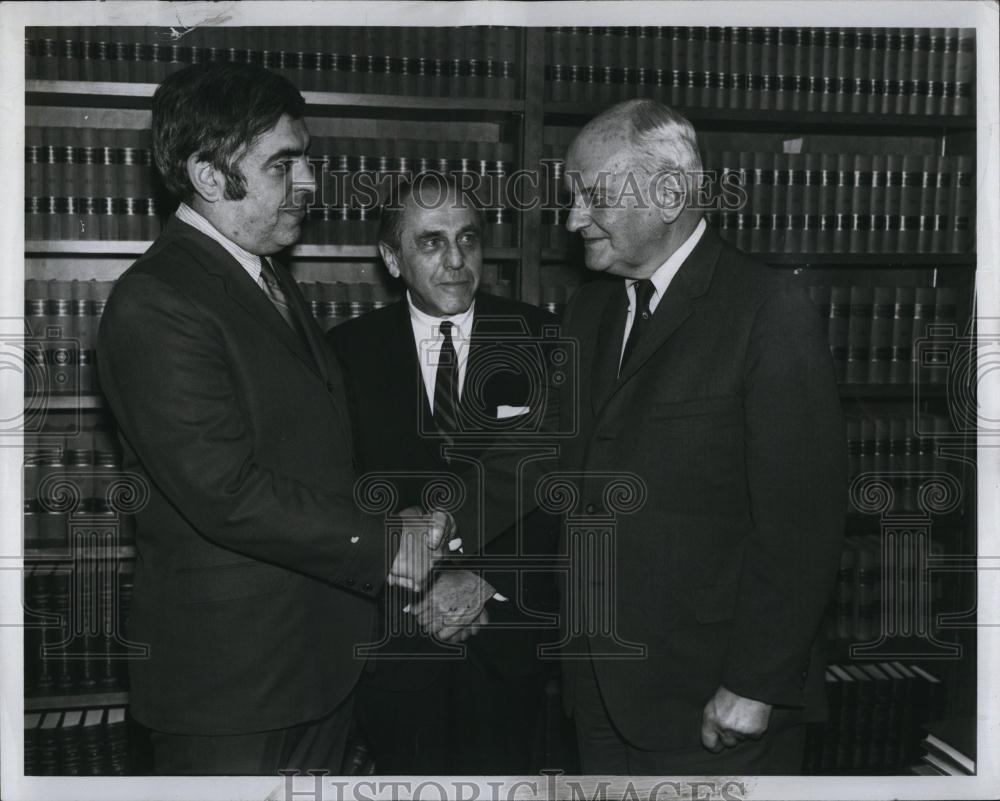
x=503, y=412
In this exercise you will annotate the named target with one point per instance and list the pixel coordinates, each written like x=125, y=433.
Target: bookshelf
x=797, y=113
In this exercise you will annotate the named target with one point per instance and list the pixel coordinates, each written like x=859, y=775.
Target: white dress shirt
x=427, y=334
x=661, y=279
x=248, y=261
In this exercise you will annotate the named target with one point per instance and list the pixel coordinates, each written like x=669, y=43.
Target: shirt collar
x=248, y=261
x=665, y=272
x=431, y=325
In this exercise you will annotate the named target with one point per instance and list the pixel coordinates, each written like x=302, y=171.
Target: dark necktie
x=640, y=320
x=276, y=294
x=446, y=383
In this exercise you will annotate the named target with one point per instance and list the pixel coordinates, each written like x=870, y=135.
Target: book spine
x=893, y=189
x=861, y=210
x=845, y=195
x=943, y=208
x=880, y=356
x=965, y=72
x=925, y=211
x=900, y=369
x=837, y=329
x=963, y=223
x=911, y=189
x=795, y=203
x=859, y=334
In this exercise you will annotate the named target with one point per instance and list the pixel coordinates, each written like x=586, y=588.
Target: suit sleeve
x=797, y=478
x=507, y=474
x=164, y=371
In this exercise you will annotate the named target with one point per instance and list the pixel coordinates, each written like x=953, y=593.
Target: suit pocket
x=229, y=582
x=696, y=407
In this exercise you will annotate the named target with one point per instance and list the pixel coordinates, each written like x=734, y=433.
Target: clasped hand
x=454, y=608
x=425, y=539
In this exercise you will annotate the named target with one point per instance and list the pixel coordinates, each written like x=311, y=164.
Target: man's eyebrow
x=285, y=154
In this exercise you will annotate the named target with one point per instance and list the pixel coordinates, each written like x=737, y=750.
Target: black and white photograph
x=500, y=400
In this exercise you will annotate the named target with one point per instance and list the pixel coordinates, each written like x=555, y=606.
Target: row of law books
x=79, y=474
x=855, y=614
x=63, y=318
x=914, y=71
x=75, y=619
x=57, y=158
x=343, y=225
x=877, y=712
x=89, y=183
x=819, y=202
x=897, y=445
x=468, y=61
x=889, y=334
x=334, y=302
x=842, y=203
x=140, y=219
x=77, y=742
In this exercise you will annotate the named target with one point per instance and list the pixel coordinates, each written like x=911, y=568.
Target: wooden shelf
x=75, y=701
x=138, y=95
x=891, y=391
x=89, y=247
x=715, y=118
x=837, y=259
x=869, y=259
x=63, y=403
x=62, y=554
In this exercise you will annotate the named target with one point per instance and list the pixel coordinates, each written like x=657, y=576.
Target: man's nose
x=578, y=219
x=454, y=259
x=303, y=180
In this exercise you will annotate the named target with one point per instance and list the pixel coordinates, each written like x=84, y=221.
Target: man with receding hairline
x=453, y=382
x=710, y=379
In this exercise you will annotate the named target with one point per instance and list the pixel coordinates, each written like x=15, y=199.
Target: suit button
x=590, y=509
x=367, y=586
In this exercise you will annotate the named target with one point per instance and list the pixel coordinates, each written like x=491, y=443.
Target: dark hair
x=393, y=210
x=216, y=111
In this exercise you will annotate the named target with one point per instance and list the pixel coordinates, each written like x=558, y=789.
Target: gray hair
x=660, y=138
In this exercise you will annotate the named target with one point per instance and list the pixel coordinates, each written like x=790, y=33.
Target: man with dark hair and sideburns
x=255, y=571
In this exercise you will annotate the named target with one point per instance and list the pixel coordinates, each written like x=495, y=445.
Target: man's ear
x=390, y=259
x=670, y=190
x=208, y=184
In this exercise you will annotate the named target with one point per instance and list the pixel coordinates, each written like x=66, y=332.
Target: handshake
x=453, y=608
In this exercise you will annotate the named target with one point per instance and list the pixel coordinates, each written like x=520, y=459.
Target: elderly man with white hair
x=709, y=379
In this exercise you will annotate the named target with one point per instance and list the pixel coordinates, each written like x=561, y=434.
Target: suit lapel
x=607, y=352
x=308, y=325
x=406, y=381
x=690, y=283
x=241, y=288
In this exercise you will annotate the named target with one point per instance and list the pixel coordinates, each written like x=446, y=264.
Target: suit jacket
x=728, y=413
x=396, y=433
x=255, y=573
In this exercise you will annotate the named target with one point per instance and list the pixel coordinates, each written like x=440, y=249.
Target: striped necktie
x=269, y=283
x=446, y=383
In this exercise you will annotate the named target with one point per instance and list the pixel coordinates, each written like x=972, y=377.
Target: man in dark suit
x=451, y=382
x=710, y=381
x=255, y=572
